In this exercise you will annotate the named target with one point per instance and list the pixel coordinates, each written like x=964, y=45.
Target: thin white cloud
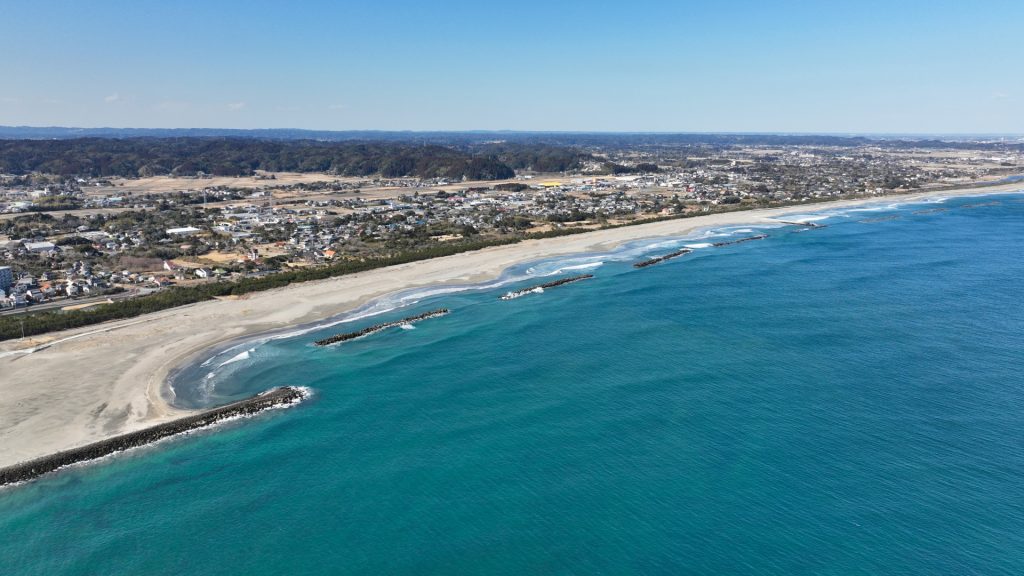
x=119, y=99
x=233, y=106
x=337, y=107
x=1000, y=95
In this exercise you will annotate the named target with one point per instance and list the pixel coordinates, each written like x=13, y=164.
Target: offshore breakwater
x=740, y=240
x=542, y=287
x=277, y=397
x=981, y=204
x=378, y=327
x=659, y=259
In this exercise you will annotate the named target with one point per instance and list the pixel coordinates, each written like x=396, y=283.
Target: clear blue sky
x=822, y=66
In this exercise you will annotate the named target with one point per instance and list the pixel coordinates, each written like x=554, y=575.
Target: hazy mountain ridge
x=552, y=138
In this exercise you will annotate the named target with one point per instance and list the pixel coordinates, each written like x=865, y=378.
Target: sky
x=660, y=66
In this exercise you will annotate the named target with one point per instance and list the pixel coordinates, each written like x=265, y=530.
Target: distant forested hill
x=102, y=152
x=131, y=157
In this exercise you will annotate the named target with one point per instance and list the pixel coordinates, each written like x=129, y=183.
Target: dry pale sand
x=79, y=386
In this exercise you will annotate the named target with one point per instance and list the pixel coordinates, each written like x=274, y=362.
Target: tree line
x=144, y=157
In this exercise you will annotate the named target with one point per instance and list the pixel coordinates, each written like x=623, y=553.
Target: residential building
x=6, y=278
x=39, y=246
x=184, y=231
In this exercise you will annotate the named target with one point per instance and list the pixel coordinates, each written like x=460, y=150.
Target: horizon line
x=526, y=131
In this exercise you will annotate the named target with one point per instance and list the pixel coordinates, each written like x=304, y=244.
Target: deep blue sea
x=843, y=400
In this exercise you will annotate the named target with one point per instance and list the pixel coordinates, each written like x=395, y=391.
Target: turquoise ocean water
x=844, y=400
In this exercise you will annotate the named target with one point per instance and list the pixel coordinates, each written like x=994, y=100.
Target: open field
x=166, y=184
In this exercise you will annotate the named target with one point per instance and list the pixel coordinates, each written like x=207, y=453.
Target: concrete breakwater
x=658, y=259
x=32, y=469
x=541, y=287
x=741, y=240
x=378, y=327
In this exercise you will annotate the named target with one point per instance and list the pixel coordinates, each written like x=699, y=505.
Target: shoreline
x=282, y=397
x=70, y=389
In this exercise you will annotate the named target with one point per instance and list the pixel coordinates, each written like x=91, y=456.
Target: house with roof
x=40, y=247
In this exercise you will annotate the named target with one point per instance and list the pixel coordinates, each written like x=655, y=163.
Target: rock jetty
x=658, y=259
x=378, y=327
x=541, y=287
x=277, y=397
x=740, y=241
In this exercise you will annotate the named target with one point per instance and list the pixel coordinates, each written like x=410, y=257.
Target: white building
x=39, y=246
x=185, y=231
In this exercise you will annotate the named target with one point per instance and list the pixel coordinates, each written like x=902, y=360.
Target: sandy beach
x=66, y=389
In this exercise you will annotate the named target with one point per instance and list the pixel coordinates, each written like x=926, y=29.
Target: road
x=58, y=304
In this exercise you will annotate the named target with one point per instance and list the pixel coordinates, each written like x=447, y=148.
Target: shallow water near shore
x=843, y=400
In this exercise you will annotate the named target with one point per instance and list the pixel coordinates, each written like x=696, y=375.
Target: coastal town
x=505, y=288
x=71, y=243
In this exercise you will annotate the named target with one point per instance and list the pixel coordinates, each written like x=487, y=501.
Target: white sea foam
x=578, y=267
x=584, y=266
x=692, y=241
x=807, y=217
x=664, y=244
x=559, y=266
x=383, y=305
x=238, y=357
x=868, y=209
x=407, y=327
x=229, y=350
x=206, y=386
